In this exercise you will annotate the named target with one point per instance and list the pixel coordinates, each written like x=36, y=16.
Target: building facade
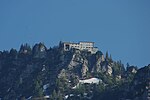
x=87, y=46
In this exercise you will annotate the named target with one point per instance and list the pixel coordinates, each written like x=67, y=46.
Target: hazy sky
x=121, y=27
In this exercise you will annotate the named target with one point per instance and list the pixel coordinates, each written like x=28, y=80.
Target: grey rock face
x=39, y=51
x=109, y=70
x=84, y=69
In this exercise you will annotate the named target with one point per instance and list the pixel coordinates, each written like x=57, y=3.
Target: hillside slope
x=55, y=74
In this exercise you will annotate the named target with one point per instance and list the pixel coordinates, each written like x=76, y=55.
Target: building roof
x=78, y=42
x=66, y=42
x=86, y=42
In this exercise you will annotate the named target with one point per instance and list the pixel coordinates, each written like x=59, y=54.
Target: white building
x=88, y=46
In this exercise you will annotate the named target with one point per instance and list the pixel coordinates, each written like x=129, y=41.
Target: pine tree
x=128, y=65
x=54, y=95
x=38, y=89
x=59, y=96
x=107, y=55
x=13, y=53
x=110, y=58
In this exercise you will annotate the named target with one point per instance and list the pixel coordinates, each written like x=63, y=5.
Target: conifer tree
x=107, y=55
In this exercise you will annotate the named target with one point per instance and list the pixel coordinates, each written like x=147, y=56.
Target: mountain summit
x=69, y=71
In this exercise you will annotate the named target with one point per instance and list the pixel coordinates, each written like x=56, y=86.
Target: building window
x=67, y=46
